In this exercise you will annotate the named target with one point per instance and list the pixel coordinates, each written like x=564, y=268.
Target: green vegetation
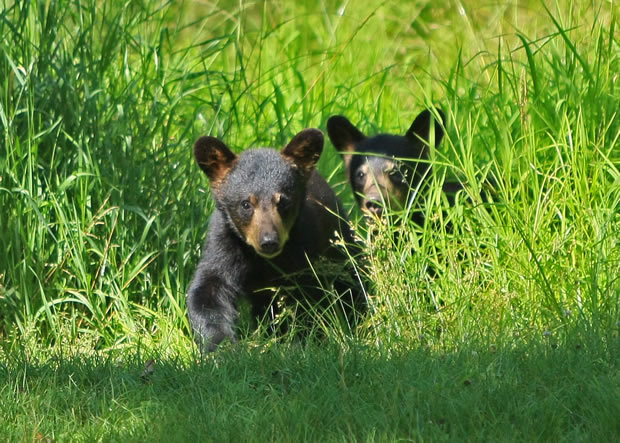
x=513, y=336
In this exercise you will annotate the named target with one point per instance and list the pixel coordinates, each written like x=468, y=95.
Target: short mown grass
x=503, y=327
x=318, y=393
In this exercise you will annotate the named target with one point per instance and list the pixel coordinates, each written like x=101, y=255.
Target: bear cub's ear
x=343, y=134
x=214, y=158
x=421, y=127
x=304, y=150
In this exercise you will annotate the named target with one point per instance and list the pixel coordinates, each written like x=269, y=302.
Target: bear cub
x=273, y=213
x=386, y=171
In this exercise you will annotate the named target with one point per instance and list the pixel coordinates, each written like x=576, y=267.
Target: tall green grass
x=103, y=210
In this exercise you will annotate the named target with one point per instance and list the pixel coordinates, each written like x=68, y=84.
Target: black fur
x=273, y=213
x=388, y=170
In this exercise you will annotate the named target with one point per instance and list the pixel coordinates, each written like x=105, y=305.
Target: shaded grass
x=319, y=393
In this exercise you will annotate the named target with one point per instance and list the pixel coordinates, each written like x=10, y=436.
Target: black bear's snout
x=269, y=243
x=374, y=207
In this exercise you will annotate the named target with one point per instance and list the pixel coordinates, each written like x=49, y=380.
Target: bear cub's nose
x=269, y=243
x=374, y=207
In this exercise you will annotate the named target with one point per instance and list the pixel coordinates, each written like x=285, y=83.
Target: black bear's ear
x=305, y=149
x=421, y=127
x=344, y=136
x=214, y=158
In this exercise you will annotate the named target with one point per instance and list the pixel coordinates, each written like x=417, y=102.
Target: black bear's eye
x=284, y=203
x=396, y=176
x=246, y=205
x=360, y=175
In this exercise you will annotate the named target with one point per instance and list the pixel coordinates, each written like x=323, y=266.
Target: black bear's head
x=384, y=169
x=260, y=191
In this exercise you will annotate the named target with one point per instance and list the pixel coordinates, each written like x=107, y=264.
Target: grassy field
x=514, y=335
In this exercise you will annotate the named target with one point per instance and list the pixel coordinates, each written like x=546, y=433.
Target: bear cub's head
x=383, y=169
x=260, y=191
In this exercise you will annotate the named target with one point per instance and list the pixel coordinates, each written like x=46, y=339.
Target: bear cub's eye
x=246, y=205
x=396, y=176
x=360, y=175
x=284, y=203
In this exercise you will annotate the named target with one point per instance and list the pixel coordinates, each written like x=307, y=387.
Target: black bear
x=388, y=170
x=273, y=214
